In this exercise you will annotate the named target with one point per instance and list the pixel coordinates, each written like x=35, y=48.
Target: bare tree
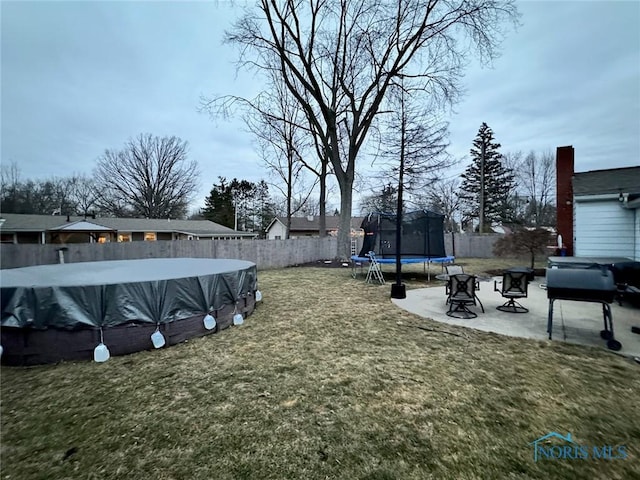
x=84, y=193
x=57, y=195
x=443, y=196
x=524, y=241
x=54, y=194
x=284, y=130
x=338, y=58
x=533, y=199
x=150, y=177
x=305, y=207
x=278, y=124
x=43, y=197
x=537, y=178
x=384, y=200
x=513, y=160
x=9, y=187
x=414, y=144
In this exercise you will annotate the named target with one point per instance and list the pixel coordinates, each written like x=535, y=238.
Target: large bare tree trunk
x=344, y=230
x=323, y=200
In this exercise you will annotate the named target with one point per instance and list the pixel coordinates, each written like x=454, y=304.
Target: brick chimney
x=564, y=196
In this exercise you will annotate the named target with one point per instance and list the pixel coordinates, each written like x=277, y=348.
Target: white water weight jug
x=238, y=319
x=209, y=322
x=158, y=339
x=101, y=353
x=258, y=296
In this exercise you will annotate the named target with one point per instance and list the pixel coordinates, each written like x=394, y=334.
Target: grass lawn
x=327, y=379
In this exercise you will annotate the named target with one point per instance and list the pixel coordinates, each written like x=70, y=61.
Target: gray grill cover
x=77, y=295
x=586, y=284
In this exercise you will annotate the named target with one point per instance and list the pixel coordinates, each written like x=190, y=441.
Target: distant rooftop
x=15, y=222
x=313, y=223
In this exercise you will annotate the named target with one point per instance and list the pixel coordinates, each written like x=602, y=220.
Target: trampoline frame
x=357, y=261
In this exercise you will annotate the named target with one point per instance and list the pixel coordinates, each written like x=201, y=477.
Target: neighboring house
x=598, y=210
x=18, y=228
x=309, y=227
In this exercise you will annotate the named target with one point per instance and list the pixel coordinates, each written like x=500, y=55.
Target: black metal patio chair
x=461, y=294
x=514, y=284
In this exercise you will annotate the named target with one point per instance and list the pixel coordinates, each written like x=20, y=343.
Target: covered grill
x=593, y=284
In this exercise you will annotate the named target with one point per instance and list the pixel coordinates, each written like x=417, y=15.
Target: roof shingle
x=614, y=180
x=313, y=223
x=15, y=222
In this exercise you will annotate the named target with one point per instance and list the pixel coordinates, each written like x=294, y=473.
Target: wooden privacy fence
x=264, y=253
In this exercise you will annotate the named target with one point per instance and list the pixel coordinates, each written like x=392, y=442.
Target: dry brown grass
x=327, y=379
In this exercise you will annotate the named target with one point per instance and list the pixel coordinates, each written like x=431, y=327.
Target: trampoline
x=422, y=240
x=63, y=312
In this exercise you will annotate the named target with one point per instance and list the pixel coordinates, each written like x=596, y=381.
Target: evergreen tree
x=240, y=203
x=498, y=181
x=218, y=206
x=243, y=193
x=264, y=208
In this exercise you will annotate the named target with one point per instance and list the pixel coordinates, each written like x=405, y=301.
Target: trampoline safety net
x=422, y=235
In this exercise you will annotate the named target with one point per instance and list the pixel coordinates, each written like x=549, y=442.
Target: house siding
x=302, y=227
x=277, y=231
x=637, y=247
x=604, y=228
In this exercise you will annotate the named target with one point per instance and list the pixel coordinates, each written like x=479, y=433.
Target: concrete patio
x=574, y=322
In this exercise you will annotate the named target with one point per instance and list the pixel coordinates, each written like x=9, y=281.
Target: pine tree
x=264, y=209
x=498, y=181
x=218, y=206
x=240, y=202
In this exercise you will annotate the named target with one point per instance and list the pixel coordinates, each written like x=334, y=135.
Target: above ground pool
x=63, y=312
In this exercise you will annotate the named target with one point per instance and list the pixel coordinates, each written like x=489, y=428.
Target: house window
x=278, y=237
x=124, y=237
x=103, y=238
x=28, y=237
x=149, y=236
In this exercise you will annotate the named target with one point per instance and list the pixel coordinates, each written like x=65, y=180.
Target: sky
x=81, y=77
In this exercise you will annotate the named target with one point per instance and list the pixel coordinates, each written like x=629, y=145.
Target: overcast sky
x=82, y=77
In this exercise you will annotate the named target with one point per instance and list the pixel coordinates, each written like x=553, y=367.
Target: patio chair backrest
x=454, y=269
x=515, y=284
x=462, y=287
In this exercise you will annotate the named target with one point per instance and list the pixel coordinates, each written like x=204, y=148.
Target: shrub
x=523, y=242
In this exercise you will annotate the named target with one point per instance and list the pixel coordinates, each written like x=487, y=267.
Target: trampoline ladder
x=374, y=272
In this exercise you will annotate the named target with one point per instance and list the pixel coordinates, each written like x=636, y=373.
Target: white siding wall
x=277, y=231
x=605, y=229
x=637, y=213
